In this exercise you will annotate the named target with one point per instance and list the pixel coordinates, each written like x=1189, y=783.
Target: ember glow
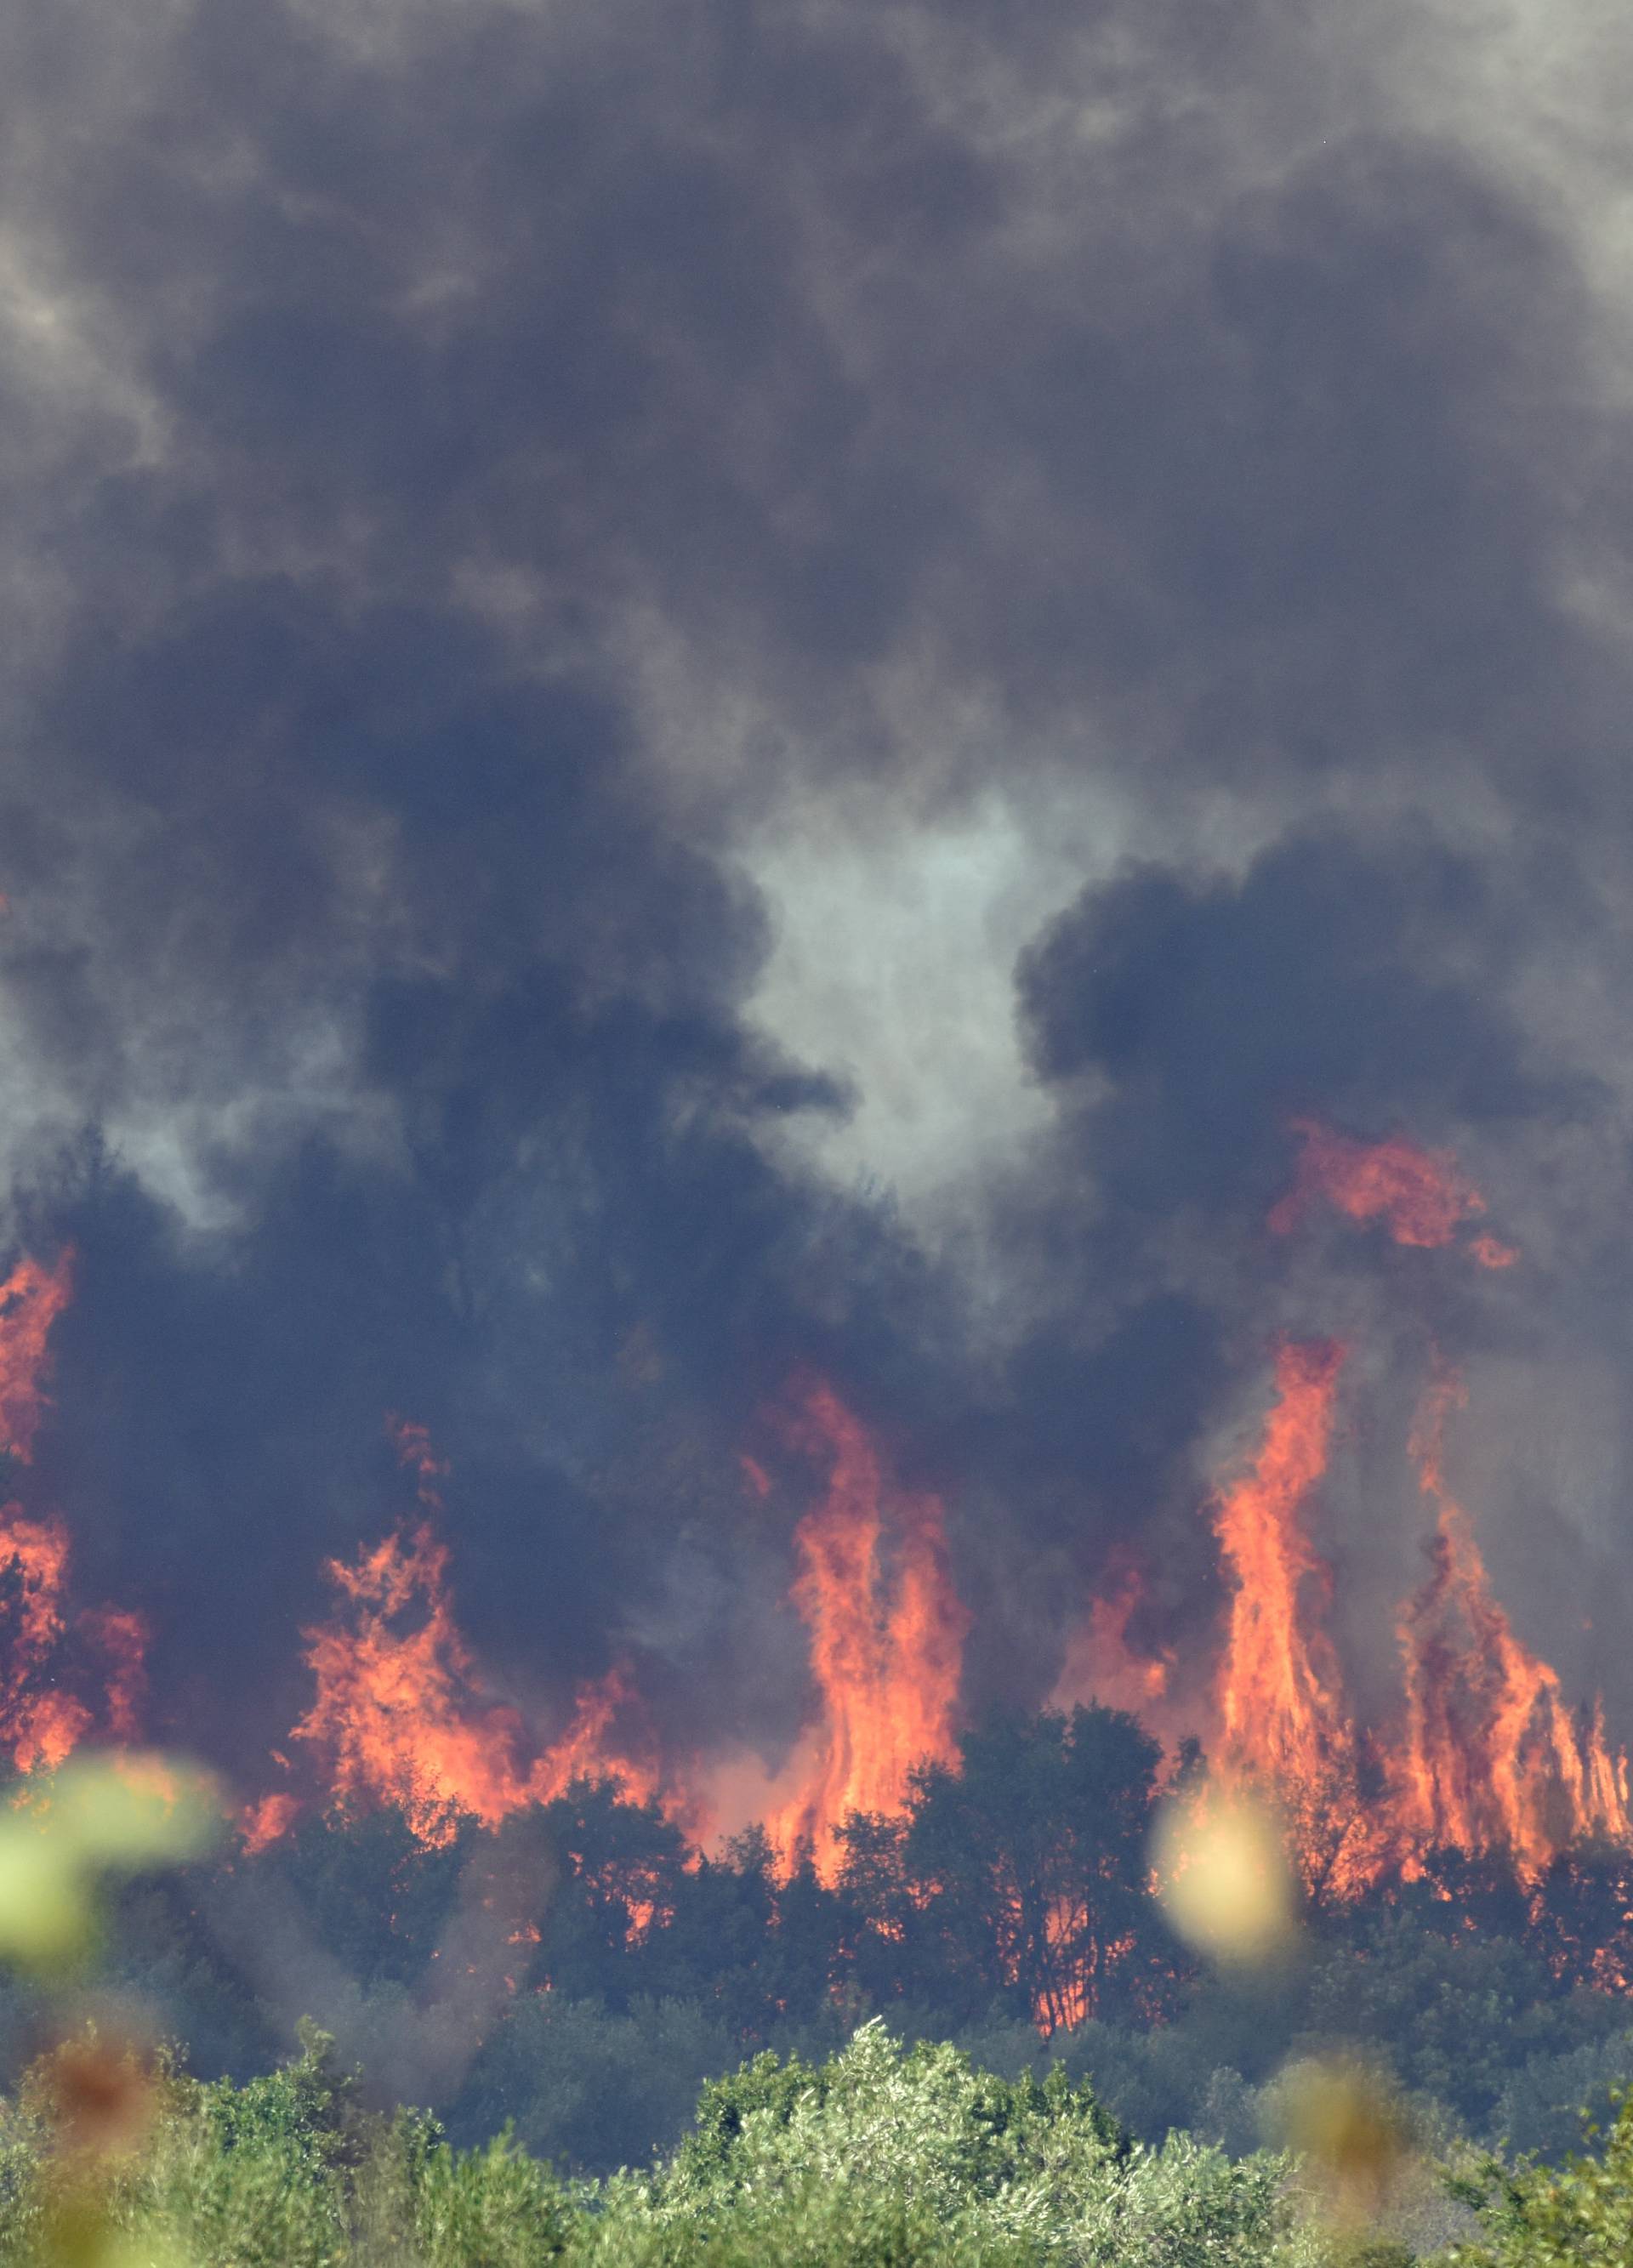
x=887, y=1632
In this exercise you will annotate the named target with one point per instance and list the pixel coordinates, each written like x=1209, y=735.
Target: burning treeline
x=1484, y=1755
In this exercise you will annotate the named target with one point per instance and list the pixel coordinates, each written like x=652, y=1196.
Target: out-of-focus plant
x=119, y=1814
x=1222, y=1865
x=1540, y=2216
x=91, y=2099
x=1225, y=1877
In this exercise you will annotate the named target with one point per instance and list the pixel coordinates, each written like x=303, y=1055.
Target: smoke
x=488, y=490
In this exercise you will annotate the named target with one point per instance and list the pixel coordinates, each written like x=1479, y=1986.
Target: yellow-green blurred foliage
x=1225, y=1877
x=116, y=1813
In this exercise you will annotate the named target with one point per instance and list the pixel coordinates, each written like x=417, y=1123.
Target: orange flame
x=589, y=1749
x=887, y=1636
x=1285, y=1730
x=120, y=1637
x=1490, y=1759
x=395, y=1709
x=399, y=1714
x=1423, y=1196
x=1280, y=1701
x=1493, y=1757
x=30, y=1299
x=41, y=1720
x=39, y=1723
x=264, y=1822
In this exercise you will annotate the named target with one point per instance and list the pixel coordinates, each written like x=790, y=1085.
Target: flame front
x=395, y=1712
x=1488, y=1757
x=1280, y=1706
x=399, y=1715
x=1493, y=1759
x=887, y=1638
x=1485, y=1756
x=39, y=1723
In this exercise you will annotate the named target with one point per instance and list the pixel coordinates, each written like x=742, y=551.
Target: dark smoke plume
x=477, y=477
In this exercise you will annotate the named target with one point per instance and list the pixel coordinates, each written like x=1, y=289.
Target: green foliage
x=416, y=2199
x=624, y=1978
x=1459, y=2011
x=1544, y=2102
x=917, y=2147
x=307, y=2115
x=374, y=1896
x=256, y=2205
x=1030, y=1861
x=1572, y=2216
x=883, y=2153
x=591, y=2087
x=628, y=1975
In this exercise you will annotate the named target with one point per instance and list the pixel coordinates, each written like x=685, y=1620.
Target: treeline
x=582, y=1973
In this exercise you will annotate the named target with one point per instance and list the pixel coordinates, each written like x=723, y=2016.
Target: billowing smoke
x=482, y=483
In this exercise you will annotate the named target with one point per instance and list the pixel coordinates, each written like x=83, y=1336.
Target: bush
x=1537, y=2216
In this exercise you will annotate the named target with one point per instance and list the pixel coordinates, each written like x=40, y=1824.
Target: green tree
x=1031, y=1858
x=619, y=1868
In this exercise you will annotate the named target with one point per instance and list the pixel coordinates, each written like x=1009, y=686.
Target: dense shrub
x=1577, y=2215
x=883, y=2153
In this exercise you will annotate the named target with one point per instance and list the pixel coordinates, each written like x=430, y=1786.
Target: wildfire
x=269, y=1817
x=1423, y=1196
x=44, y=1641
x=121, y=1638
x=1493, y=1758
x=1484, y=1755
x=399, y=1714
x=887, y=1636
x=1489, y=1758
